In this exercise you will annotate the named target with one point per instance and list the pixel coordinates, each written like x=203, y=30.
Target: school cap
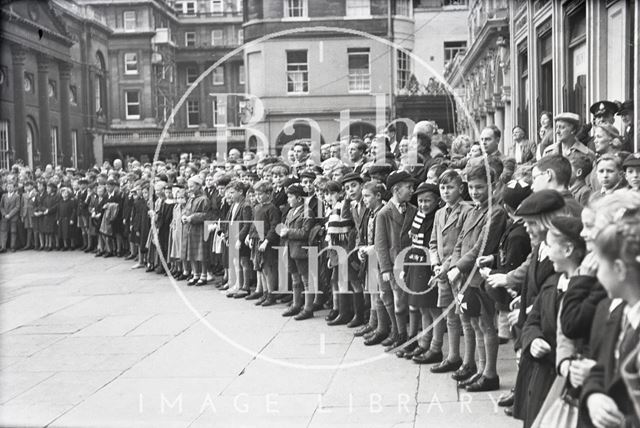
x=333, y=187
x=601, y=108
x=295, y=189
x=633, y=160
x=515, y=192
x=542, y=202
x=289, y=181
x=427, y=187
x=352, y=176
x=625, y=107
x=399, y=177
x=570, y=227
x=380, y=169
x=307, y=174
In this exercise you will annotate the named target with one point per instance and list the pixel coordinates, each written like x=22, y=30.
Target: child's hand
x=484, y=261
x=387, y=276
x=264, y=245
x=604, y=411
x=539, y=348
x=512, y=317
x=437, y=270
x=497, y=280
x=453, y=274
x=579, y=370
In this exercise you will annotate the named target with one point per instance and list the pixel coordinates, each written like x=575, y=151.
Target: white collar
x=633, y=315
x=563, y=283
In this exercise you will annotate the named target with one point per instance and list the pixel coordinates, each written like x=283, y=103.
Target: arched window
x=100, y=84
x=32, y=151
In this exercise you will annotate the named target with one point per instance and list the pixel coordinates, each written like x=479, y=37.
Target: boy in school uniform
x=27, y=208
x=10, y=211
x=581, y=167
x=631, y=167
x=481, y=227
x=393, y=223
x=446, y=229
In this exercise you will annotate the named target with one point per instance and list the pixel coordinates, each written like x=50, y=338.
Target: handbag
x=560, y=409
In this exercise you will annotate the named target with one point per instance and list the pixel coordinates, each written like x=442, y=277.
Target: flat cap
x=352, y=176
x=398, y=177
x=633, y=160
x=542, y=202
x=427, y=187
x=625, y=107
x=570, y=227
x=295, y=189
x=380, y=168
x=515, y=192
x=333, y=186
x=568, y=117
x=601, y=108
x=307, y=174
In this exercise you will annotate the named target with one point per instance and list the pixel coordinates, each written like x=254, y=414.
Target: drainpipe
x=392, y=104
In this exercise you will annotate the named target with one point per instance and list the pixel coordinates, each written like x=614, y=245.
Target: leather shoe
x=507, y=399
x=402, y=338
x=407, y=349
x=303, y=315
x=417, y=351
x=254, y=296
x=270, y=301
x=287, y=298
x=364, y=330
x=333, y=314
x=446, y=366
x=241, y=294
x=292, y=311
x=484, y=383
x=467, y=382
x=503, y=340
x=464, y=372
x=376, y=339
x=508, y=411
x=201, y=282
x=192, y=281
x=390, y=339
x=428, y=357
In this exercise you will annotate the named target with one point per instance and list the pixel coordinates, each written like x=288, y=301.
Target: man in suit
x=626, y=113
x=10, y=210
x=393, y=223
x=356, y=150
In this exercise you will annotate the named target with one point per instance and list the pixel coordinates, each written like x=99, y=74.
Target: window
x=193, y=113
x=132, y=102
x=545, y=64
x=189, y=38
x=451, y=49
x=52, y=90
x=130, y=63
x=404, y=69
x=295, y=8
x=192, y=75
x=577, y=67
x=54, y=145
x=359, y=72
x=190, y=7
x=5, y=161
x=241, y=74
x=130, y=20
x=73, y=95
x=403, y=7
x=218, y=76
x=163, y=109
x=219, y=112
x=216, y=7
x=523, y=89
x=297, y=72
x=74, y=147
x=358, y=7
x=217, y=38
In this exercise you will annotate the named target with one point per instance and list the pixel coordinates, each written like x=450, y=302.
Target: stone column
x=18, y=57
x=43, y=111
x=65, y=120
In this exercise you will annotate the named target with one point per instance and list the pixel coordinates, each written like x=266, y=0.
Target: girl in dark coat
x=566, y=249
x=49, y=206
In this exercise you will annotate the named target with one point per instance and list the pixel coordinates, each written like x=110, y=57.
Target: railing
x=225, y=14
x=86, y=12
x=197, y=136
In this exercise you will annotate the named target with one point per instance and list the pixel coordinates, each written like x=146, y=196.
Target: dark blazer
x=10, y=205
x=579, y=306
x=359, y=215
x=298, y=235
x=392, y=234
x=244, y=213
x=605, y=376
x=444, y=234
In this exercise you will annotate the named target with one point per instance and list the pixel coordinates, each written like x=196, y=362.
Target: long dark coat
x=536, y=375
x=49, y=220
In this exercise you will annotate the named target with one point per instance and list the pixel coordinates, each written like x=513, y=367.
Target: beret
x=570, y=227
x=295, y=189
x=542, y=202
x=600, y=108
x=196, y=179
x=568, y=117
x=427, y=187
x=289, y=181
x=398, y=177
x=352, y=176
x=515, y=192
x=633, y=160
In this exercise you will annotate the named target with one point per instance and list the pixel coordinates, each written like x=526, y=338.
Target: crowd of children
x=404, y=244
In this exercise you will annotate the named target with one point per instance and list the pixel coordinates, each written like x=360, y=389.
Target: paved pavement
x=87, y=342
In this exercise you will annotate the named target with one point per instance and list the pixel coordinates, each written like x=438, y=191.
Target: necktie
x=402, y=208
x=628, y=342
